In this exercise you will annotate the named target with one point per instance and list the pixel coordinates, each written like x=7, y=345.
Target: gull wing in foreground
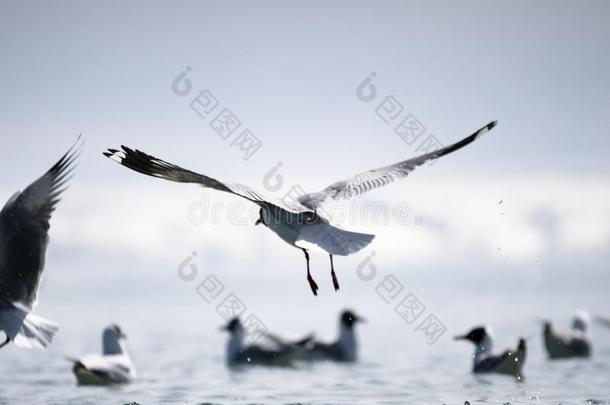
x=372, y=179
x=24, y=223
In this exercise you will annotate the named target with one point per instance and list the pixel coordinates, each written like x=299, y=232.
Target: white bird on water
x=114, y=366
x=297, y=223
x=24, y=226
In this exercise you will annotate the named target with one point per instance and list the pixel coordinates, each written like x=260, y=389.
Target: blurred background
x=510, y=230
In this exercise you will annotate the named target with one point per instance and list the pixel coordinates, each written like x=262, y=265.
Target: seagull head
x=581, y=322
x=349, y=318
x=476, y=335
x=113, y=340
x=115, y=332
x=233, y=326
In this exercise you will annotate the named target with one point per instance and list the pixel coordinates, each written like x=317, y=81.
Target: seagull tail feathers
x=25, y=329
x=334, y=241
x=35, y=333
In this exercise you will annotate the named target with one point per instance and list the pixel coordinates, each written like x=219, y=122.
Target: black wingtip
x=492, y=124
x=107, y=154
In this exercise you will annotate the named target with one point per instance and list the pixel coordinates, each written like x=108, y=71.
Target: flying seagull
x=114, y=366
x=297, y=223
x=24, y=226
x=510, y=362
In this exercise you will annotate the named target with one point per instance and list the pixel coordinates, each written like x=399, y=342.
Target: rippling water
x=178, y=352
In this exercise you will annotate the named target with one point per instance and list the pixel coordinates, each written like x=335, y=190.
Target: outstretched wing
x=24, y=223
x=372, y=179
x=146, y=164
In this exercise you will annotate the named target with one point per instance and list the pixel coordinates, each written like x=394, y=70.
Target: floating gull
x=114, y=366
x=510, y=362
x=24, y=226
x=345, y=348
x=276, y=352
x=576, y=343
x=297, y=223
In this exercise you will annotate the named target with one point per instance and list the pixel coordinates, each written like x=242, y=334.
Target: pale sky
x=289, y=72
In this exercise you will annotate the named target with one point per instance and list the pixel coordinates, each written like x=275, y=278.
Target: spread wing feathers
x=146, y=164
x=372, y=179
x=329, y=239
x=39, y=199
x=24, y=223
x=25, y=329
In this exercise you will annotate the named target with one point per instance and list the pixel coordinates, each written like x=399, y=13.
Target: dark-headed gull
x=114, y=366
x=510, y=362
x=271, y=352
x=298, y=222
x=344, y=349
x=576, y=343
x=24, y=226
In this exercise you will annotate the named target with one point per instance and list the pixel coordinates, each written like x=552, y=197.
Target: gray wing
x=372, y=179
x=24, y=223
x=258, y=355
x=491, y=363
x=151, y=166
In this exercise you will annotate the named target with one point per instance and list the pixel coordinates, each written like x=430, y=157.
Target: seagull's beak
x=459, y=337
x=258, y=222
x=223, y=328
x=360, y=319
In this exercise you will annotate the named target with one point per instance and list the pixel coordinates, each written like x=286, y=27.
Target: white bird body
x=24, y=226
x=113, y=366
x=298, y=223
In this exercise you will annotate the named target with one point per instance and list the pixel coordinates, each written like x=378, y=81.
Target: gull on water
x=576, y=343
x=24, y=226
x=344, y=349
x=298, y=223
x=272, y=351
x=114, y=366
x=510, y=362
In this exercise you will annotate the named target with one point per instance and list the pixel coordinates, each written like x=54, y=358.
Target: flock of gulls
x=24, y=226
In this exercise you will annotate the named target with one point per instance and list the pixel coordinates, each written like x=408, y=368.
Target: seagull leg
x=333, y=275
x=8, y=339
x=312, y=283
